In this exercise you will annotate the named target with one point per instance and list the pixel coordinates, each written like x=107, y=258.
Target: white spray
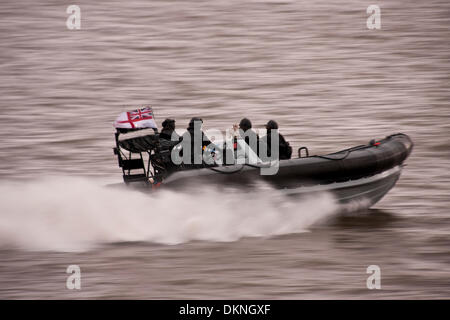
x=74, y=214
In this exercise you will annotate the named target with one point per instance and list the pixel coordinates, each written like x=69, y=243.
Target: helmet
x=271, y=125
x=193, y=120
x=168, y=123
x=245, y=124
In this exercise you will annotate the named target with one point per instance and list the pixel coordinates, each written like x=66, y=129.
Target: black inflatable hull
x=363, y=173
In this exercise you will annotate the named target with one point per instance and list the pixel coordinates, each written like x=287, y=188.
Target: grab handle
x=300, y=152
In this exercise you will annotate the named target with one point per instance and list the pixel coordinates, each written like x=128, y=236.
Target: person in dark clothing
x=168, y=130
x=168, y=139
x=168, y=136
x=195, y=126
x=285, y=150
x=250, y=137
x=194, y=130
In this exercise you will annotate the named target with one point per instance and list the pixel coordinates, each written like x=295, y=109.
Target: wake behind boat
x=363, y=173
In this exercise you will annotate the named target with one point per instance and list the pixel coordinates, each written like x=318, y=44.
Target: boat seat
x=133, y=164
x=134, y=178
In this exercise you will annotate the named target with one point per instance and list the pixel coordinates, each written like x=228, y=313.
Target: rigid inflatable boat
x=363, y=173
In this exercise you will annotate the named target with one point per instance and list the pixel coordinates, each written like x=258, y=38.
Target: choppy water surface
x=311, y=65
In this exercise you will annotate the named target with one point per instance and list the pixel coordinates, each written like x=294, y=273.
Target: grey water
x=313, y=66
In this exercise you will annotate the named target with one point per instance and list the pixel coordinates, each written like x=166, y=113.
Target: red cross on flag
x=136, y=119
